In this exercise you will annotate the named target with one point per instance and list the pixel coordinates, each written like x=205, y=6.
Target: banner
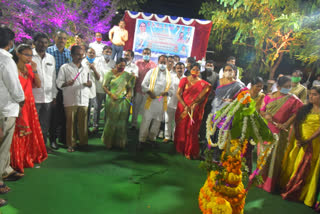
x=198, y=37
x=163, y=38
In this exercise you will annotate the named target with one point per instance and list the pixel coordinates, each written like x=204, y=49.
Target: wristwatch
x=35, y=72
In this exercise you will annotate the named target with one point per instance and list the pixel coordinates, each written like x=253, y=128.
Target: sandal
x=166, y=141
x=70, y=149
x=13, y=176
x=3, y=202
x=4, y=189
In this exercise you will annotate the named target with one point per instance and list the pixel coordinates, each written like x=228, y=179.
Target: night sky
x=184, y=8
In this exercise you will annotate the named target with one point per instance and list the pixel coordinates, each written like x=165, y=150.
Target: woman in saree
x=301, y=165
x=227, y=90
x=27, y=145
x=257, y=96
x=192, y=95
x=279, y=109
x=118, y=85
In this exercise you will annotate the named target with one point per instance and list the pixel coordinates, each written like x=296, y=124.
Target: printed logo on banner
x=163, y=38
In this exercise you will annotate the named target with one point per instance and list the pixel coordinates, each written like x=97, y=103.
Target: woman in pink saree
x=192, y=95
x=279, y=109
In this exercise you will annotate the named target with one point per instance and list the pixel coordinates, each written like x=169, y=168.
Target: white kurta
x=154, y=114
x=172, y=106
x=156, y=107
x=76, y=94
x=93, y=92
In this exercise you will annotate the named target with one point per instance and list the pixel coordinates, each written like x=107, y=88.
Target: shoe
x=54, y=145
x=4, y=189
x=3, y=202
x=70, y=149
x=13, y=176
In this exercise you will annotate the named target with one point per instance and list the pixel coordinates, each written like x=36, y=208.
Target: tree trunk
x=275, y=66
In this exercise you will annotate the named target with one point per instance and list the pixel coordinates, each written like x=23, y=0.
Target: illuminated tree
x=267, y=29
x=29, y=16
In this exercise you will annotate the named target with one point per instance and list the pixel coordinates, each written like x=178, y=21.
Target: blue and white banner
x=163, y=38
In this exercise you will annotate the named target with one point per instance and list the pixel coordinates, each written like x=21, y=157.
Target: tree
x=267, y=29
x=29, y=16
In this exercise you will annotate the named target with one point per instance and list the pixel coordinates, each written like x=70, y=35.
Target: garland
x=236, y=104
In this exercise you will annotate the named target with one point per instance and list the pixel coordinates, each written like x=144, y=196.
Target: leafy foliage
x=29, y=16
x=265, y=30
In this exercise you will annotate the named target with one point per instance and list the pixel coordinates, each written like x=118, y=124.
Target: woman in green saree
x=118, y=85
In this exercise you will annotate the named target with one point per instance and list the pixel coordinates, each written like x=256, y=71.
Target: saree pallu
x=301, y=92
x=186, y=134
x=301, y=165
x=27, y=146
x=227, y=91
x=115, y=130
x=281, y=109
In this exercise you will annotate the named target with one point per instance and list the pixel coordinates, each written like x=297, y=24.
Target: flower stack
x=223, y=191
x=224, y=185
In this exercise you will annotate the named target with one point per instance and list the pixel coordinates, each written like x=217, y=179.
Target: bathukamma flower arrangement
x=239, y=124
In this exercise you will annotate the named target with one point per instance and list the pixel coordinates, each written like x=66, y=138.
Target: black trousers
x=58, y=120
x=203, y=127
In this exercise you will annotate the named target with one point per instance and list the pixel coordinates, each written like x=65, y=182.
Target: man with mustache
x=62, y=55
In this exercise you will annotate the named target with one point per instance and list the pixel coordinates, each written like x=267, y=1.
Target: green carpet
x=155, y=181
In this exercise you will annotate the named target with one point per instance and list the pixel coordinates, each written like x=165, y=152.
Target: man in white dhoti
x=156, y=85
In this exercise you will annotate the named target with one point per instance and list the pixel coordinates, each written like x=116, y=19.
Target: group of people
x=45, y=94
x=49, y=93
x=292, y=169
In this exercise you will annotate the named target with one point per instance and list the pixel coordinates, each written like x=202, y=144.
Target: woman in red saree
x=27, y=145
x=192, y=95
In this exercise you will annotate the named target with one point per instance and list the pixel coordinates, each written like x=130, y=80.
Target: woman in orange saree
x=192, y=95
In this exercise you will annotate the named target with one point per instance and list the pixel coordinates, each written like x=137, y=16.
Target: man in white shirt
x=316, y=82
x=131, y=67
x=91, y=63
x=12, y=98
x=156, y=85
x=74, y=81
x=170, y=65
x=105, y=64
x=46, y=94
x=144, y=65
x=118, y=35
x=173, y=102
x=176, y=59
x=97, y=45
